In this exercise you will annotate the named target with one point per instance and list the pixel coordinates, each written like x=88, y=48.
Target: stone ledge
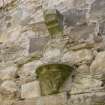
x=91, y=98
x=59, y=99
x=27, y=59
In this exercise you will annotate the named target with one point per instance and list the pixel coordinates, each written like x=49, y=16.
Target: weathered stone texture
x=27, y=72
x=77, y=57
x=8, y=73
x=87, y=98
x=52, y=77
x=54, y=22
x=30, y=90
x=97, y=67
x=59, y=99
x=26, y=27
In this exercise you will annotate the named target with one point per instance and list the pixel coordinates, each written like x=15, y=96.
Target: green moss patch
x=52, y=77
x=54, y=21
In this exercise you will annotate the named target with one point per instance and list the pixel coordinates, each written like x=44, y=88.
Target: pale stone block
x=8, y=73
x=9, y=86
x=30, y=90
x=77, y=57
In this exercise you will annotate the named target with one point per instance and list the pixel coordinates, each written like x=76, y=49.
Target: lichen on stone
x=52, y=77
x=54, y=21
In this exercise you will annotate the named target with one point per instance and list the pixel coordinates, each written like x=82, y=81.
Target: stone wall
x=26, y=44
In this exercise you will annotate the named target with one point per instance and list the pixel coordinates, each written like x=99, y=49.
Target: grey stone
x=11, y=51
x=59, y=99
x=85, y=83
x=97, y=10
x=84, y=33
x=51, y=55
x=37, y=44
x=98, y=67
x=73, y=17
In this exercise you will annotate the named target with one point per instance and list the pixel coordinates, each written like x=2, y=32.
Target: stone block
x=85, y=83
x=9, y=86
x=52, y=77
x=54, y=21
x=102, y=27
x=52, y=55
x=97, y=10
x=37, y=44
x=75, y=16
x=77, y=57
x=8, y=73
x=30, y=90
x=93, y=98
x=59, y=99
x=97, y=67
x=3, y=38
x=27, y=72
x=83, y=33
x=26, y=102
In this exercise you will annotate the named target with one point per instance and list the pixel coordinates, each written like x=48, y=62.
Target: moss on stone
x=52, y=77
x=54, y=21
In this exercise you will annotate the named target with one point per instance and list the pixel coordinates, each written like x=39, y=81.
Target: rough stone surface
x=27, y=73
x=37, y=44
x=9, y=86
x=8, y=73
x=59, y=99
x=54, y=22
x=85, y=83
x=83, y=69
x=88, y=99
x=84, y=32
x=26, y=44
x=97, y=9
x=97, y=67
x=51, y=55
x=76, y=57
x=78, y=16
x=30, y=90
x=52, y=77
